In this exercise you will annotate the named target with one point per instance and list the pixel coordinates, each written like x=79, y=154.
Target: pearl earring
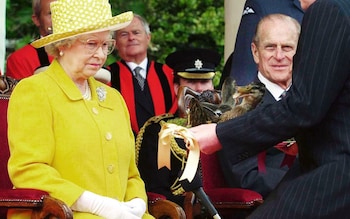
x=61, y=53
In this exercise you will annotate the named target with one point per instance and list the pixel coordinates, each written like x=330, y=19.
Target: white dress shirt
x=143, y=65
x=273, y=88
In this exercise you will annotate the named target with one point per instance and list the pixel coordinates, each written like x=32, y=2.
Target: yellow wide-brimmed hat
x=76, y=17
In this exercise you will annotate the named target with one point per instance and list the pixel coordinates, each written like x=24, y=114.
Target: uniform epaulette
x=139, y=137
x=178, y=152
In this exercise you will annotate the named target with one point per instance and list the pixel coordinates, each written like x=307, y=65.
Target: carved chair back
x=6, y=86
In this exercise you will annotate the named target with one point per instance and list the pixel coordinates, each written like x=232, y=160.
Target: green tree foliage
x=186, y=23
x=175, y=24
x=19, y=25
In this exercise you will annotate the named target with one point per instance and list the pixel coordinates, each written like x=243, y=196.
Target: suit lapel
x=296, y=3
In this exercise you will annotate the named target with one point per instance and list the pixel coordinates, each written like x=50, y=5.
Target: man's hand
x=206, y=137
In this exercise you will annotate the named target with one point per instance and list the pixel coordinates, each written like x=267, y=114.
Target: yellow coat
x=63, y=144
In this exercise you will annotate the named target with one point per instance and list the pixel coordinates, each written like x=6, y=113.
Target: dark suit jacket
x=240, y=65
x=316, y=111
x=246, y=174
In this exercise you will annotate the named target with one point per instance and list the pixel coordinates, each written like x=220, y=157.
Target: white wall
x=233, y=13
x=2, y=34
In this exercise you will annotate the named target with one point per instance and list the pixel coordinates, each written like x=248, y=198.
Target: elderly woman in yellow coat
x=69, y=134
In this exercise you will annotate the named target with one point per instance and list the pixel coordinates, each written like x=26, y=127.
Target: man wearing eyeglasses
x=146, y=85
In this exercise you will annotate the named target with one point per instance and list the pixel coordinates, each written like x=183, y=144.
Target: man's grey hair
x=143, y=22
x=277, y=16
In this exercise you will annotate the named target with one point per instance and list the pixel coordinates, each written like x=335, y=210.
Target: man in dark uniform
x=146, y=85
x=194, y=68
x=23, y=62
x=240, y=65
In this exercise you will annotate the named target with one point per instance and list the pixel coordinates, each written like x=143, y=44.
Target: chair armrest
x=234, y=198
x=38, y=201
x=191, y=206
x=161, y=208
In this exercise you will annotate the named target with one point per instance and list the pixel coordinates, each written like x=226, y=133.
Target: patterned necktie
x=139, y=77
x=283, y=95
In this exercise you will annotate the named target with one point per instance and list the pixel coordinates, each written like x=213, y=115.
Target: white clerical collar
x=143, y=65
x=273, y=88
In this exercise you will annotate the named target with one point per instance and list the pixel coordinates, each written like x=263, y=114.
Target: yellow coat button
x=108, y=136
x=111, y=168
x=95, y=110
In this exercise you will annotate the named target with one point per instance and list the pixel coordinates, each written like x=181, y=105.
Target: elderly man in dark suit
x=240, y=65
x=274, y=45
x=316, y=111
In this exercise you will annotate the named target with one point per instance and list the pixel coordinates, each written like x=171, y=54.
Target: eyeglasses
x=92, y=45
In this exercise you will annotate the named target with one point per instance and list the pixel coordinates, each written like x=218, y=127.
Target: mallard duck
x=246, y=98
